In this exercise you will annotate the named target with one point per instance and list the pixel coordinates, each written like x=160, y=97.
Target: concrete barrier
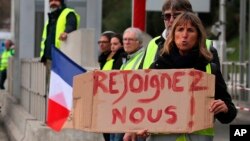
x=21, y=126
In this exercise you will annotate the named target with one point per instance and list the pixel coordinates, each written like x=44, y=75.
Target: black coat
x=102, y=59
x=118, y=59
x=196, y=61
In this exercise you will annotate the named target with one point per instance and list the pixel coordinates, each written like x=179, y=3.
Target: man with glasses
x=105, y=53
x=132, y=41
x=105, y=47
x=170, y=10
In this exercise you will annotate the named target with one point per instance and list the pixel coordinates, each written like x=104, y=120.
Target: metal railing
x=236, y=74
x=33, y=87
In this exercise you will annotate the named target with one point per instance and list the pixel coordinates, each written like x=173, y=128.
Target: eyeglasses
x=102, y=42
x=129, y=39
x=167, y=16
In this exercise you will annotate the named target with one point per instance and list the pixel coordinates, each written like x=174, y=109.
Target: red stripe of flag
x=57, y=115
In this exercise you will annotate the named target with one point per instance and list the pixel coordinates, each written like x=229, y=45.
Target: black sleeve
x=215, y=59
x=71, y=23
x=152, y=66
x=143, y=58
x=222, y=93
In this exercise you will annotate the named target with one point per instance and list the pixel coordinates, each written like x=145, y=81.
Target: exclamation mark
x=192, y=106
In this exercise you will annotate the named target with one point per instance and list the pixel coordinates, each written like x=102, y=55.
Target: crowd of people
x=183, y=44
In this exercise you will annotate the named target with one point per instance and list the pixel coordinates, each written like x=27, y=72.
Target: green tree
x=116, y=15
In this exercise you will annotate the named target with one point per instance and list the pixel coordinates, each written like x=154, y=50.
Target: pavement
x=222, y=131
x=3, y=134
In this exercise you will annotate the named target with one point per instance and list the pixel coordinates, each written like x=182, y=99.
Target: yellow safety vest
x=108, y=65
x=60, y=28
x=134, y=62
x=150, y=53
x=4, y=59
x=153, y=48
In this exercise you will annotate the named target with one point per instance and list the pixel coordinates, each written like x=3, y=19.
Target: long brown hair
x=183, y=19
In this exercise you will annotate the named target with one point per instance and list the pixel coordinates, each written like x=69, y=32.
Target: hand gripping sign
x=162, y=101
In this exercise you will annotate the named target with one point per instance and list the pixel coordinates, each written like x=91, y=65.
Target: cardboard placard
x=162, y=101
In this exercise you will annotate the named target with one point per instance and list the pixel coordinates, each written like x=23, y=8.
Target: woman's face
x=115, y=44
x=185, y=37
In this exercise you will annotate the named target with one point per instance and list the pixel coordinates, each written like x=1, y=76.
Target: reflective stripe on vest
x=60, y=28
x=150, y=53
x=133, y=63
x=152, y=50
x=208, y=43
x=4, y=59
x=108, y=65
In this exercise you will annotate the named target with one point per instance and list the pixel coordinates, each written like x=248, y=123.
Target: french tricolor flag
x=60, y=101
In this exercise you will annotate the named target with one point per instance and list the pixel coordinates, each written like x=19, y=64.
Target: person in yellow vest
x=114, y=60
x=170, y=10
x=132, y=42
x=111, y=47
x=61, y=21
x=186, y=48
x=7, y=53
x=104, y=47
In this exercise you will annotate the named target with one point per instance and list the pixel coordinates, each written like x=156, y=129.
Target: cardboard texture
x=162, y=101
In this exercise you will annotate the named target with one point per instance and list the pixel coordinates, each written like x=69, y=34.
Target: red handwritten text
x=137, y=83
x=139, y=115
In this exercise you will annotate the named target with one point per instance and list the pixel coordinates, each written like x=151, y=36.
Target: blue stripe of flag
x=64, y=66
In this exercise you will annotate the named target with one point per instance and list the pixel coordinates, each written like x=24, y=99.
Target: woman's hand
x=132, y=136
x=63, y=36
x=143, y=133
x=129, y=137
x=218, y=106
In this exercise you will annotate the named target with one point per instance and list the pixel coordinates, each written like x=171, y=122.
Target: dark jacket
x=196, y=61
x=102, y=59
x=71, y=25
x=118, y=59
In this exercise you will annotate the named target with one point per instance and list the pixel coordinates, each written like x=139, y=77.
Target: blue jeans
x=116, y=136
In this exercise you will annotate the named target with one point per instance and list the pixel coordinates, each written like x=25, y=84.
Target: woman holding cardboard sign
x=185, y=47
